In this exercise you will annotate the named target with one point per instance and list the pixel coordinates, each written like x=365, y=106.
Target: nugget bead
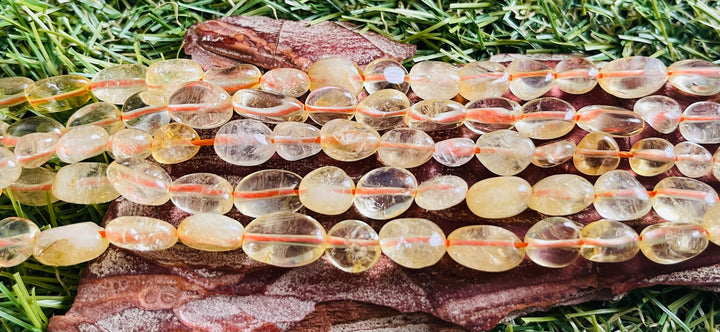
x=210, y=232
x=483, y=79
x=244, y=142
x=34, y=187
x=9, y=168
x=58, y=93
x=285, y=81
x=284, y=239
x=553, y=154
x=441, y=192
x=352, y=246
x=320, y=184
x=614, y=121
x=701, y=123
x=385, y=192
x=266, y=192
x=412, y=242
x=202, y=193
x=529, y=78
x=711, y=223
x=101, y=114
x=662, y=113
x=167, y=76
x=296, y=140
x=115, y=84
x=672, y=243
x=620, y=196
x=346, y=140
x=129, y=143
x=267, y=107
x=485, y=248
x=33, y=150
x=553, y=242
x=435, y=114
x=546, y=118
x=504, y=152
x=576, y=75
x=609, y=241
x=696, y=77
x=385, y=74
x=491, y=114
x=561, y=194
x=70, y=244
x=405, y=147
x=499, y=197
x=17, y=236
x=336, y=72
x=12, y=94
x=35, y=124
x=81, y=142
x=652, y=156
x=693, y=160
x=84, y=183
x=454, y=152
x=140, y=233
x=172, y=143
x=146, y=110
x=632, y=77
x=329, y=103
x=434, y=80
x=383, y=109
x=140, y=181
x=232, y=79
x=679, y=199
x=200, y=105
x=596, y=154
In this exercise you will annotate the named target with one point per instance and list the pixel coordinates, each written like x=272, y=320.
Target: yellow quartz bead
x=530, y=79
x=329, y=103
x=499, y=197
x=553, y=242
x=693, y=160
x=632, y=77
x=454, y=152
x=435, y=80
x=84, y=183
x=172, y=143
x=200, y=105
x=546, y=118
x=412, y=242
x=285, y=81
x=662, y=113
x=210, y=232
x=80, y=143
x=576, y=75
x=115, y=84
x=268, y=191
x=696, y=77
x=58, y=93
x=244, y=142
x=34, y=187
x=553, y=154
x=561, y=194
x=672, y=243
x=711, y=223
x=340, y=72
x=405, y=147
x=296, y=140
x=441, y=192
x=146, y=110
x=202, y=193
x=435, y=114
x=284, y=239
x=620, y=196
x=652, y=156
x=614, y=121
x=483, y=79
x=33, y=124
x=101, y=114
x=167, y=76
x=327, y=180
x=596, y=154
x=485, y=248
x=385, y=192
x=140, y=181
x=385, y=74
x=140, y=233
x=700, y=123
x=232, y=79
x=680, y=199
x=504, y=152
x=70, y=244
x=609, y=241
x=268, y=107
x=384, y=109
x=129, y=143
x=12, y=95
x=346, y=140
x=353, y=246
x=490, y=114
x=33, y=150
x=17, y=239
x=9, y=167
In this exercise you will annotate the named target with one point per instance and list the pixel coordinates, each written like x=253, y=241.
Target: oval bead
x=652, y=156
x=12, y=95
x=596, y=154
x=576, y=75
x=329, y=103
x=202, y=193
x=34, y=124
x=441, y=192
x=172, y=143
x=454, y=152
x=609, y=241
x=679, y=199
x=711, y=223
x=553, y=154
x=385, y=192
x=232, y=79
x=620, y=196
x=317, y=185
x=412, y=242
x=483, y=79
x=58, y=93
x=546, y=118
x=167, y=76
x=435, y=80
x=70, y=244
x=268, y=191
x=115, y=84
x=200, y=105
x=210, y=232
x=383, y=109
x=504, y=152
x=140, y=233
x=672, y=243
x=353, y=246
x=84, y=183
x=82, y=142
x=9, y=168
x=701, y=123
x=18, y=239
x=146, y=110
x=336, y=71
x=33, y=150
x=284, y=239
x=140, y=181
x=553, y=242
x=696, y=77
x=561, y=194
x=128, y=143
x=632, y=77
x=491, y=114
x=614, y=121
x=385, y=74
x=530, y=79
x=268, y=107
x=499, y=197
x=346, y=140
x=244, y=142
x=101, y=114
x=34, y=187
x=693, y=160
x=405, y=147
x=296, y=140
x=662, y=113
x=485, y=248
x=285, y=81
x=435, y=114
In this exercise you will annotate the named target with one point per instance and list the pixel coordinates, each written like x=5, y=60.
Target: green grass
x=40, y=39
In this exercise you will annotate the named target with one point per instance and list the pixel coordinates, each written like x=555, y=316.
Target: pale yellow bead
x=441, y=192
x=530, y=79
x=385, y=192
x=499, y=197
x=614, y=121
x=483, y=79
x=346, y=140
x=268, y=191
x=84, y=183
x=680, y=199
x=284, y=239
x=171, y=143
x=711, y=223
x=435, y=80
x=485, y=248
x=546, y=118
x=320, y=184
x=353, y=246
x=576, y=75
x=620, y=196
x=553, y=242
x=596, y=154
x=609, y=241
x=652, y=156
x=504, y=152
x=336, y=71
x=405, y=147
x=140, y=233
x=632, y=77
x=168, y=75
x=70, y=244
x=383, y=109
x=210, y=232
x=561, y=194
x=412, y=242
x=672, y=243
x=17, y=236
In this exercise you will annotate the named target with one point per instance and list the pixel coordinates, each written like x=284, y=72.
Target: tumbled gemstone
x=530, y=79
x=58, y=93
x=336, y=71
x=553, y=154
x=711, y=223
x=662, y=113
x=34, y=187
x=435, y=114
x=320, y=184
x=553, y=242
x=268, y=107
x=82, y=142
x=12, y=95
x=167, y=76
x=499, y=197
x=385, y=192
x=576, y=75
x=140, y=233
x=454, y=152
x=441, y=192
x=33, y=150
x=115, y=84
x=561, y=194
x=101, y=114
x=632, y=77
x=546, y=118
x=383, y=109
x=693, y=160
x=620, y=196
x=296, y=140
x=129, y=143
x=352, y=246
x=652, y=156
x=716, y=164
x=70, y=244
x=329, y=103
x=210, y=232
x=200, y=105
x=346, y=140
x=34, y=124
x=268, y=191
x=412, y=242
x=146, y=110
x=9, y=168
x=614, y=121
x=140, y=181
x=701, y=123
x=202, y=193
x=492, y=113
x=84, y=183
x=284, y=239
x=504, y=152
x=285, y=81
x=405, y=147
x=485, y=248
x=435, y=80
x=385, y=74
x=609, y=241
x=232, y=79
x=697, y=77
x=483, y=79
x=679, y=199
x=596, y=154
x=17, y=239
x=672, y=243
x=244, y=142
x=172, y=143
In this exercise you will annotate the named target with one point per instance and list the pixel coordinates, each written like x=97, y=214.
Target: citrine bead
x=244, y=142
x=337, y=72
x=84, y=183
x=483, y=79
x=435, y=114
x=553, y=154
x=499, y=197
x=17, y=236
x=285, y=81
x=34, y=124
x=115, y=84
x=140, y=233
x=491, y=114
x=140, y=181
x=530, y=79
x=200, y=105
x=385, y=74
x=324, y=182
x=167, y=76
x=210, y=232
x=632, y=77
x=81, y=142
x=353, y=246
x=711, y=223
x=679, y=199
x=441, y=192
x=172, y=143
x=620, y=196
x=576, y=75
x=385, y=192
x=614, y=121
x=504, y=152
x=454, y=152
x=296, y=140
x=284, y=239
x=34, y=187
x=101, y=114
x=609, y=241
x=33, y=150
x=412, y=242
x=692, y=159
x=696, y=77
x=329, y=103
x=58, y=93
x=662, y=113
x=9, y=168
x=701, y=123
x=405, y=147
x=268, y=191
x=70, y=244
x=202, y=193
x=553, y=242
x=146, y=110
x=12, y=95
x=435, y=80
x=232, y=79
x=672, y=243
x=596, y=154
x=561, y=194
x=346, y=140
x=485, y=248
x=268, y=107
x=652, y=156
x=546, y=118
x=383, y=109
x=129, y=143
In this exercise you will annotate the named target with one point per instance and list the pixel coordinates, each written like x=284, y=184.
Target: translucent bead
x=491, y=114
x=84, y=183
x=167, y=76
x=609, y=241
x=454, y=152
x=244, y=142
x=483, y=79
x=317, y=185
x=697, y=77
x=172, y=143
x=383, y=109
x=346, y=140
x=614, y=121
x=146, y=111
x=9, y=168
x=561, y=194
x=12, y=95
x=576, y=75
x=412, y=242
x=652, y=156
x=100, y=114
x=33, y=150
x=340, y=72
x=329, y=103
x=441, y=192
x=546, y=118
x=140, y=181
x=285, y=81
x=70, y=244
x=435, y=80
x=296, y=140
x=553, y=154
x=385, y=192
x=672, y=243
x=701, y=123
x=210, y=232
x=385, y=74
x=268, y=191
x=353, y=246
x=405, y=147
x=485, y=248
x=632, y=77
x=34, y=187
x=499, y=197
x=693, y=160
x=284, y=239
x=200, y=105
x=711, y=223
x=140, y=233
x=58, y=93
x=530, y=79
x=431, y=115
x=596, y=154
x=202, y=193
x=129, y=143
x=31, y=125
x=17, y=236
x=679, y=199
x=504, y=152
x=716, y=164
x=553, y=242
x=115, y=84
x=268, y=107
x=232, y=79
x=662, y=113
x=82, y=142
x=620, y=196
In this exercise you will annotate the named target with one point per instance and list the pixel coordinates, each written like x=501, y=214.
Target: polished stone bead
x=384, y=109
x=146, y=110
x=412, y=242
x=435, y=80
x=202, y=193
x=609, y=241
x=499, y=197
x=346, y=140
x=614, y=121
x=491, y=114
x=140, y=233
x=679, y=199
x=296, y=140
x=70, y=244
x=632, y=77
x=244, y=142
x=31, y=125
x=200, y=105
x=268, y=107
x=9, y=168
x=352, y=246
x=101, y=114
x=441, y=192
x=435, y=114
x=504, y=152
x=285, y=81
x=336, y=71
x=454, y=152
x=140, y=181
x=620, y=196
x=576, y=75
x=167, y=76
x=672, y=243
x=385, y=74
x=696, y=77
x=33, y=150
x=711, y=223
x=12, y=95
x=268, y=191
x=284, y=239
x=596, y=154
x=701, y=123
x=553, y=154
x=530, y=79
x=80, y=143
x=115, y=84
x=172, y=143
x=405, y=147
x=553, y=242
x=210, y=232
x=129, y=143
x=34, y=187
x=546, y=118
x=84, y=183
x=320, y=184
x=385, y=192
x=662, y=113
x=483, y=79
x=561, y=194
x=17, y=239
x=232, y=79
x=485, y=248
x=58, y=93
x=329, y=103
x=652, y=156
x=693, y=160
